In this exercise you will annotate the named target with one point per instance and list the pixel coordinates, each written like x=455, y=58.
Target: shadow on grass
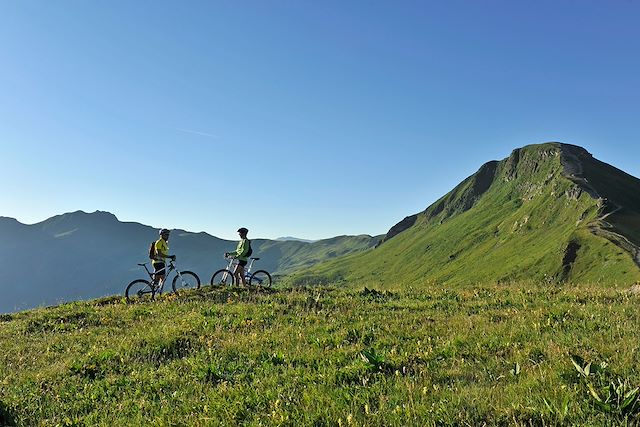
x=6, y=419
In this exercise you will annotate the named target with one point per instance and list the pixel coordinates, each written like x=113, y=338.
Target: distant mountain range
x=82, y=255
x=294, y=239
x=549, y=213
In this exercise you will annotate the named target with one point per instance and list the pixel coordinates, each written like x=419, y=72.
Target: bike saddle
x=142, y=265
x=255, y=258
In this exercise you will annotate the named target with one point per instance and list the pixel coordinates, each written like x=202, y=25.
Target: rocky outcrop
x=405, y=224
x=572, y=158
x=570, y=255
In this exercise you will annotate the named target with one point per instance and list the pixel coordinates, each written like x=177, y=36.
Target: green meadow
x=504, y=354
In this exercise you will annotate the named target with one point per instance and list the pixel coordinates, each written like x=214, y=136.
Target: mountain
x=290, y=238
x=82, y=255
x=548, y=212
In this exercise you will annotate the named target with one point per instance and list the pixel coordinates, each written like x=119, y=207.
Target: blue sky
x=298, y=118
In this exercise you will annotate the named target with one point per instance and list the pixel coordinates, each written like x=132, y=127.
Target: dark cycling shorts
x=242, y=263
x=159, y=268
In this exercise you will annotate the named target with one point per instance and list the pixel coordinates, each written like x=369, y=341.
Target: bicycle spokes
x=222, y=278
x=186, y=280
x=142, y=292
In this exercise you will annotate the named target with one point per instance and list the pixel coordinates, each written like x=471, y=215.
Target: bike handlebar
x=233, y=257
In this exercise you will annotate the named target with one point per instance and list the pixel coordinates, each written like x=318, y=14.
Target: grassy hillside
x=521, y=218
x=490, y=355
x=295, y=255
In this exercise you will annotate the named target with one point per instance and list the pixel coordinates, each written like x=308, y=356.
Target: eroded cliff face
x=617, y=195
x=572, y=158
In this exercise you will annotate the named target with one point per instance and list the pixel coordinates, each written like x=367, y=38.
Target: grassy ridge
x=495, y=354
x=285, y=257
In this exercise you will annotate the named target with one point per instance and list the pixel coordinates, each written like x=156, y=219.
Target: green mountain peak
x=547, y=212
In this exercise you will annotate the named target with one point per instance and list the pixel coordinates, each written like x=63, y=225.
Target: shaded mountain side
x=547, y=212
x=618, y=194
x=87, y=255
x=460, y=199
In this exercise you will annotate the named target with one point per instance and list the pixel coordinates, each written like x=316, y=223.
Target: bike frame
x=231, y=266
x=257, y=277
x=180, y=280
x=169, y=267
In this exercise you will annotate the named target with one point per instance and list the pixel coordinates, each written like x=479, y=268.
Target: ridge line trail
x=574, y=170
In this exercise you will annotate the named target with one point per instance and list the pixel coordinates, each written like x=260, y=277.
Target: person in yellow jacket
x=241, y=254
x=161, y=254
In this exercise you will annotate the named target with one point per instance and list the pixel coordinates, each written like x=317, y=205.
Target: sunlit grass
x=492, y=354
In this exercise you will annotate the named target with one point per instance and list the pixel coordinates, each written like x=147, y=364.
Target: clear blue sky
x=298, y=118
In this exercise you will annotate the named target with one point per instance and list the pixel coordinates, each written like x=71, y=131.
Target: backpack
x=152, y=250
x=250, y=251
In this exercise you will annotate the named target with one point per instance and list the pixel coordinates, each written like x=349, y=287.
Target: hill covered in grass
x=548, y=213
x=490, y=355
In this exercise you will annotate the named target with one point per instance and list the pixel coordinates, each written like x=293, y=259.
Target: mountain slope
x=548, y=212
x=82, y=255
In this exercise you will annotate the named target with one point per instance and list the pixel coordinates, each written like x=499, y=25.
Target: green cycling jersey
x=241, y=251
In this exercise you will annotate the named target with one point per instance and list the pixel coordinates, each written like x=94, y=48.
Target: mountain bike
x=143, y=289
x=225, y=276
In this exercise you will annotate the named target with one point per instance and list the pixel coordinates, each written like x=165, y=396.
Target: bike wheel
x=139, y=290
x=260, y=278
x=222, y=278
x=185, y=280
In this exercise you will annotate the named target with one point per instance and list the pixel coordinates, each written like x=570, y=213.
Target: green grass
x=496, y=354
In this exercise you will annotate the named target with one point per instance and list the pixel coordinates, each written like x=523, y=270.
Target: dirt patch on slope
x=570, y=255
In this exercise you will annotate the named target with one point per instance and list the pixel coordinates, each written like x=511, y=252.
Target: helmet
x=242, y=230
x=164, y=231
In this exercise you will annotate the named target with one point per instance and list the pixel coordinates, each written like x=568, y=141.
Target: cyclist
x=240, y=254
x=161, y=253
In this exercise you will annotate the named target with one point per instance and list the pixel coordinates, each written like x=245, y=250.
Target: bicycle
x=142, y=289
x=225, y=276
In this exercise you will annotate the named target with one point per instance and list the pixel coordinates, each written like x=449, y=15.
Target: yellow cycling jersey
x=162, y=250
